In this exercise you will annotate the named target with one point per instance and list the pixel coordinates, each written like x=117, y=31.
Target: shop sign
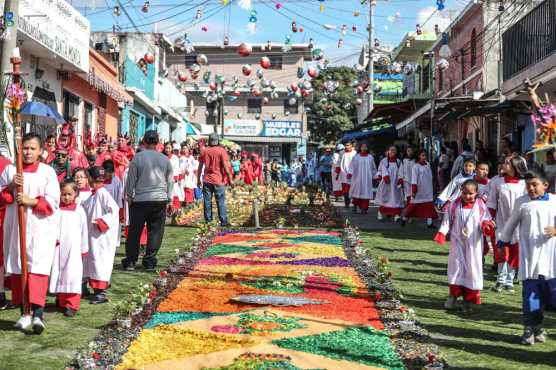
x=283, y=128
x=57, y=26
x=242, y=127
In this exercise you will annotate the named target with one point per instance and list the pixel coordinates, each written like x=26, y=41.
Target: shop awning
x=358, y=135
x=393, y=113
x=190, y=129
x=263, y=139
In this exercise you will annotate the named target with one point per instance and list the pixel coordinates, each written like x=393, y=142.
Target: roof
x=356, y=135
x=418, y=45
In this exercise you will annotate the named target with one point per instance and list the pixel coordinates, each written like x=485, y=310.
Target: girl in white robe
x=189, y=166
x=390, y=189
x=177, y=192
x=73, y=244
x=466, y=220
x=40, y=196
x=481, y=176
x=345, y=162
x=501, y=204
x=452, y=191
x=103, y=220
x=362, y=171
x=420, y=204
x=115, y=187
x=406, y=172
x=336, y=182
x=81, y=178
x=535, y=217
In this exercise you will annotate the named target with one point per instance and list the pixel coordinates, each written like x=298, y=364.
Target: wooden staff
x=18, y=146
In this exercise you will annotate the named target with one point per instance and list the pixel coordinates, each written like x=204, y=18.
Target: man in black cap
x=217, y=172
x=148, y=190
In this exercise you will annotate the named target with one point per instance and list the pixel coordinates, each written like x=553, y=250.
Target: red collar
x=107, y=182
x=481, y=181
x=95, y=188
x=467, y=205
x=392, y=159
x=86, y=188
x=68, y=207
x=364, y=154
x=349, y=151
x=422, y=163
x=511, y=180
x=31, y=167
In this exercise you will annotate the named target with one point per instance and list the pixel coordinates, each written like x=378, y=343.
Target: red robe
x=101, y=157
x=5, y=199
x=121, y=162
x=246, y=172
x=257, y=165
x=77, y=159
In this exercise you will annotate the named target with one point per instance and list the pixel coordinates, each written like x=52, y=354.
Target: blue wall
x=134, y=77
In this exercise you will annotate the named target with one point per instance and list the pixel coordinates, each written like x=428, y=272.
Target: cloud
x=441, y=18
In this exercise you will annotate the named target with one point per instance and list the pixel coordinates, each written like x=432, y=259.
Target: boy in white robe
x=188, y=166
x=115, y=187
x=73, y=244
x=345, y=161
x=466, y=219
x=103, y=220
x=390, y=189
x=420, y=204
x=535, y=216
x=452, y=191
x=481, y=176
x=361, y=173
x=177, y=192
x=501, y=204
x=40, y=196
x=406, y=173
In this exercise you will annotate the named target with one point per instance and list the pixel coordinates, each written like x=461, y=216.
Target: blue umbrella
x=33, y=108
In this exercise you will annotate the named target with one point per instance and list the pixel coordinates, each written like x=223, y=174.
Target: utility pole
x=370, y=64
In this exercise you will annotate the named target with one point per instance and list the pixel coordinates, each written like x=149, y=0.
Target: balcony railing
x=530, y=40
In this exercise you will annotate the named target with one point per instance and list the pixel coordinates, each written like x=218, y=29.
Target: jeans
x=538, y=295
x=219, y=192
x=154, y=215
x=506, y=274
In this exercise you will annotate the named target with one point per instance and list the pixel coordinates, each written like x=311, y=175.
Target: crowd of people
x=511, y=214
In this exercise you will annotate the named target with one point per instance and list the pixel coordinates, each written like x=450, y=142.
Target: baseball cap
x=151, y=137
x=340, y=147
x=213, y=139
x=96, y=172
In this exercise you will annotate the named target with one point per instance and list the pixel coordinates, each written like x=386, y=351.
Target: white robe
x=336, y=182
x=189, y=166
x=345, y=162
x=41, y=231
x=116, y=190
x=483, y=190
x=389, y=195
x=102, y=246
x=503, y=199
x=83, y=196
x=453, y=190
x=405, y=173
x=67, y=267
x=421, y=175
x=177, y=172
x=465, y=261
x=362, y=170
x=537, y=252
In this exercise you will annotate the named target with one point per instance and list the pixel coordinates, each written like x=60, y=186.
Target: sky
x=321, y=21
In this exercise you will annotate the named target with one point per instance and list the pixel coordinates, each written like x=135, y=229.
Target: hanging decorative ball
x=182, y=76
x=117, y=11
x=418, y=30
x=321, y=8
x=195, y=68
x=442, y=64
x=204, y=28
x=437, y=29
x=396, y=67
x=226, y=41
x=145, y=8
x=207, y=113
x=294, y=86
x=239, y=115
x=273, y=115
x=202, y=59
x=307, y=85
x=256, y=92
x=298, y=94
x=225, y=112
x=265, y=62
x=220, y=79
x=300, y=72
x=445, y=51
x=313, y=72
x=196, y=86
x=317, y=54
x=301, y=29
x=246, y=69
x=383, y=60
x=257, y=116
x=359, y=90
x=265, y=100
x=244, y=49
x=265, y=83
x=272, y=84
x=356, y=13
x=305, y=93
x=440, y=5
x=409, y=68
x=278, y=6
x=206, y=77
x=149, y=58
x=358, y=101
x=236, y=92
x=212, y=86
x=215, y=112
x=294, y=27
x=251, y=83
x=260, y=73
x=354, y=28
x=286, y=113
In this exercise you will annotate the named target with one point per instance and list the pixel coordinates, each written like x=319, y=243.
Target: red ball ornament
x=359, y=89
x=246, y=69
x=149, y=58
x=256, y=92
x=265, y=62
x=244, y=49
x=300, y=29
x=236, y=92
x=294, y=86
x=182, y=77
x=305, y=93
x=212, y=86
x=312, y=72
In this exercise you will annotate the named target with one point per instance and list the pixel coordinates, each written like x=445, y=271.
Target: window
x=87, y=119
x=275, y=61
x=292, y=108
x=71, y=105
x=190, y=59
x=473, y=47
x=254, y=105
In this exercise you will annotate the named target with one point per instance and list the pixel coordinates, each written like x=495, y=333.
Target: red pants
x=389, y=211
x=176, y=204
x=510, y=255
x=189, y=195
x=470, y=295
x=345, y=189
x=338, y=193
x=361, y=203
x=37, y=285
x=69, y=300
x=98, y=284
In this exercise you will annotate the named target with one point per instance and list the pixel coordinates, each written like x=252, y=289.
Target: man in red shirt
x=216, y=163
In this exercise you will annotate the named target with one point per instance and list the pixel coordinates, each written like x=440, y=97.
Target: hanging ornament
x=329, y=26
x=300, y=72
x=252, y=25
x=278, y=6
x=265, y=83
x=293, y=86
x=436, y=29
x=287, y=44
x=207, y=113
x=195, y=68
x=206, y=77
x=246, y=69
x=182, y=76
x=294, y=27
x=301, y=29
x=224, y=2
x=408, y=43
x=442, y=64
x=212, y=86
x=220, y=79
x=440, y=5
x=385, y=28
x=196, y=86
x=272, y=84
x=377, y=44
x=358, y=101
x=356, y=13
x=117, y=11
x=359, y=90
x=251, y=83
x=226, y=41
x=354, y=28
x=236, y=92
x=298, y=93
x=409, y=69
x=501, y=7
x=149, y=58
x=256, y=92
x=265, y=100
x=312, y=72
x=265, y=62
x=445, y=51
x=307, y=85
x=286, y=113
x=244, y=49
x=311, y=45
x=199, y=14
x=257, y=116
x=204, y=28
x=396, y=67
x=239, y=115
x=418, y=30
x=317, y=54
x=145, y=8
x=225, y=112
x=273, y=115
x=202, y=59
x=343, y=30
x=215, y=112
x=260, y=73
x=244, y=4
x=305, y=93
x=321, y=8
x=340, y=43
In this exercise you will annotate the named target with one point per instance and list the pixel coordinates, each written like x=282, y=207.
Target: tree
x=333, y=113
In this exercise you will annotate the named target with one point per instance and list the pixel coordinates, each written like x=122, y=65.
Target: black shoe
x=68, y=312
x=227, y=224
x=85, y=292
x=128, y=266
x=99, y=298
x=4, y=303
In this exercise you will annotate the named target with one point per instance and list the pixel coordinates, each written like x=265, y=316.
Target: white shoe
x=38, y=325
x=396, y=218
x=379, y=216
x=24, y=322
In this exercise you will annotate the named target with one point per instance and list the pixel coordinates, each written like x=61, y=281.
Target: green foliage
x=333, y=114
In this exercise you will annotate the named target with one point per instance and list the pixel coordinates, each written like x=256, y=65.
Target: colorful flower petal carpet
x=270, y=299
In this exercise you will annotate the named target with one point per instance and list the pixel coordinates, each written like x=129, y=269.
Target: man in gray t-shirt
x=148, y=189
